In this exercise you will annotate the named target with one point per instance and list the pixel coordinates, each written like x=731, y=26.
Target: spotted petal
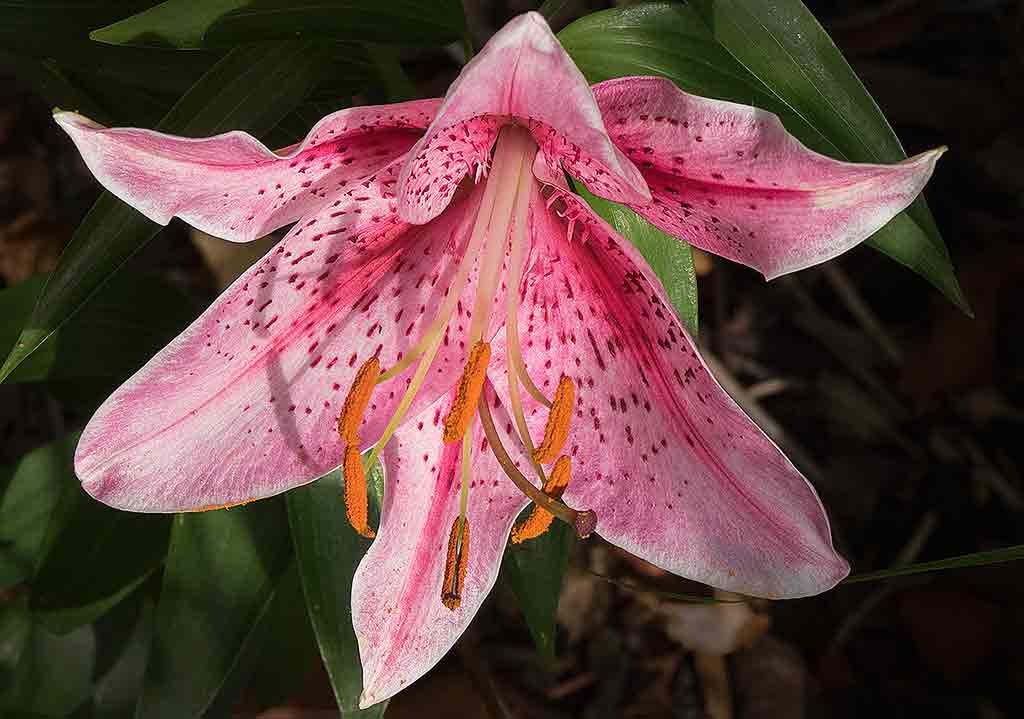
x=402, y=627
x=243, y=403
x=521, y=75
x=677, y=473
x=231, y=185
x=729, y=178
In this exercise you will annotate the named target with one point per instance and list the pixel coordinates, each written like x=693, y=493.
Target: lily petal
x=729, y=178
x=231, y=185
x=522, y=74
x=675, y=471
x=402, y=627
x=243, y=403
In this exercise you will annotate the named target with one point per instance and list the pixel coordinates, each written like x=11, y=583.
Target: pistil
x=584, y=522
x=540, y=519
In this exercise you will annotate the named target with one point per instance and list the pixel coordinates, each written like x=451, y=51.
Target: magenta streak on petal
x=243, y=404
x=676, y=473
x=522, y=75
x=231, y=185
x=402, y=627
x=730, y=179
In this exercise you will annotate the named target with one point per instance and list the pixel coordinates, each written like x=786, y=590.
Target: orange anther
x=357, y=400
x=356, y=504
x=540, y=519
x=556, y=431
x=468, y=392
x=456, y=564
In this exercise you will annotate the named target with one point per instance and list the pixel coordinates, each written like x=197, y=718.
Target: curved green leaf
x=219, y=23
x=536, y=569
x=671, y=259
x=46, y=28
x=328, y=551
x=222, y=572
x=776, y=56
x=31, y=496
x=963, y=561
x=252, y=88
x=96, y=559
x=129, y=319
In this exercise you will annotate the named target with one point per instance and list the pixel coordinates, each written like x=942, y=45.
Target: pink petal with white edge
x=243, y=404
x=729, y=178
x=523, y=75
x=231, y=185
x=675, y=471
x=402, y=627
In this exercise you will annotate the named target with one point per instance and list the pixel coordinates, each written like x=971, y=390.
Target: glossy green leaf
x=278, y=657
x=287, y=653
x=45, y=28
x=218, y=23
x=128, y=320
x=536, y=570
x=772, y=55
x=15, y=627
x=38, y=687
x=671, y=259
x=32, y=494
x=252, y=88
x=221, y=575
x=328, y=551
x=964, y=561
x=97, y=558
x=117, y=688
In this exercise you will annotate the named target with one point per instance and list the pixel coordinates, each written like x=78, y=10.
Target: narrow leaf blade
x=328, y=551
x=963, y=561
x=252, y=88
x=222, y=570
x=536, y=569
x=218, y=23
x=749, y=53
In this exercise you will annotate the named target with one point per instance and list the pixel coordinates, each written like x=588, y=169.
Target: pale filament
x=501, y=226
x=504, y=178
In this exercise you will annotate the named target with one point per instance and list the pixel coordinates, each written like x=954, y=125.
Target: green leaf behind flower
x=776, y=56
x=328, y=551
x=252, y=88
x=219, y=23
x=223, y=570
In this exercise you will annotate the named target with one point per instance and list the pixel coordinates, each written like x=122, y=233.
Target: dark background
x=905, y=414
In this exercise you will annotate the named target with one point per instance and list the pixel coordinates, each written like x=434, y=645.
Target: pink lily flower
x=444, y=302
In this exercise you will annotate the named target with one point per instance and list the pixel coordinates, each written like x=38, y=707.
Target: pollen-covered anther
x=556, y=431
x=456, y=563
x=540, y=519
x=357, y=400
x=468, y=392
x=356, y=504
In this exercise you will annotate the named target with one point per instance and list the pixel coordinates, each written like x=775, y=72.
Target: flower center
x=500, y=231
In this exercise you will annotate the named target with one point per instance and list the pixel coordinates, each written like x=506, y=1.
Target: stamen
x=556, y=431
x=356, y=508
x=504, y=166
x=540, y=519
x=456, y=564
x=357, y=400
x=584, y=521
x=472, y=383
